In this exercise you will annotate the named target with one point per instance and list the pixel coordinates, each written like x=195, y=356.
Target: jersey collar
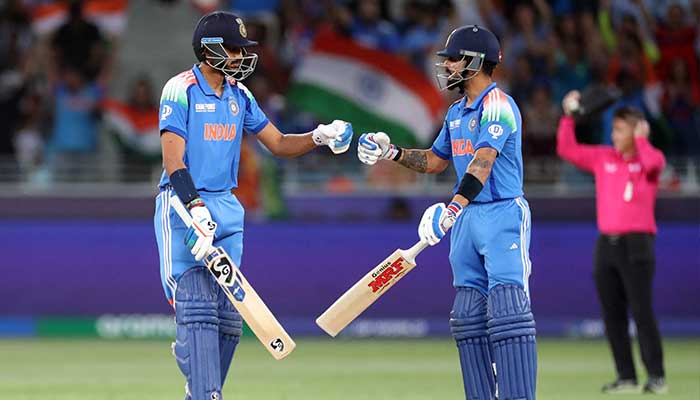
x=204, y=85
x=477, y=103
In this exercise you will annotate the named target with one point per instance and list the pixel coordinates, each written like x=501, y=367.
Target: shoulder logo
x=167, y=110
x=496, y=131
x=233, y=106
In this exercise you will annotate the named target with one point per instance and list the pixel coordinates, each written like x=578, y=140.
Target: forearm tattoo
x=416, y=160
x=481, y=168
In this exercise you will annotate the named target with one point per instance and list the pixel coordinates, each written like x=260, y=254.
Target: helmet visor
x=450, y=73
x=235, y=67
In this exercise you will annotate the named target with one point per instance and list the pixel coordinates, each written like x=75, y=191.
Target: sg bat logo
x=221, y=267
x=387, y=275
x=277, y=345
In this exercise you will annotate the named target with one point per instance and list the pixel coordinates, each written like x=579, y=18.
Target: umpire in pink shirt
x=626, y=180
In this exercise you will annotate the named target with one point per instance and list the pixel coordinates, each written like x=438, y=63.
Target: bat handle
x=180, y=210
x=413, y=252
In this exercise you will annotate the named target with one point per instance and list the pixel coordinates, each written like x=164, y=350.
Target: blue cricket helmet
x=470, y=39
x=217, y=32
x=469, y=45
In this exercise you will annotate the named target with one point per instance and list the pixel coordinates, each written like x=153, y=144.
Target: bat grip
x=180, y=210
x=413, y=252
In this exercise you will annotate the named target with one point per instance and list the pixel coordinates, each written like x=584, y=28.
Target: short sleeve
x=255, y=119
x=173, y=107
x=498, y=121
x=442, y=146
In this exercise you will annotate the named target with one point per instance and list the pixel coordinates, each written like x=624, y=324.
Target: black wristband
x=181, y=180
x=399, y=151
x=470, y=187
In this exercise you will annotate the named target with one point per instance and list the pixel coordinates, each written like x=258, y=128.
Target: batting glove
x=373, y=147
x=200, y=235
x=336, y=135
x=436, y=221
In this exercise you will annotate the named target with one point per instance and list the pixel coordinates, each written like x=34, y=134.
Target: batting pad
x=511, y=329
x=468, y=323
x=196, y=347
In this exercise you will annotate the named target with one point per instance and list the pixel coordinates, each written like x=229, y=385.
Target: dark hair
x=488, y=67
x=629, y=113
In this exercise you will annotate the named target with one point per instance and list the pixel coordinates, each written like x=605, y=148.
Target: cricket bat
x=368, y=289
x=236, y=287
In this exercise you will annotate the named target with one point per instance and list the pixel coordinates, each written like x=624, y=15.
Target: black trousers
x=624, y=270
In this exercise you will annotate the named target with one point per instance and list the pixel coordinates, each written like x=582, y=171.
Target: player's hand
x=373, y=147
x=437, y=220
x=336, y=135
x=200, y=235
x=641, y=129
x=571, y=102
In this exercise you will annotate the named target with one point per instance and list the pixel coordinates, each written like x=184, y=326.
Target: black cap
x=472, y=38
x=222, y=25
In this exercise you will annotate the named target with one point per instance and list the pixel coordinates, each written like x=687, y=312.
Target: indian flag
x=373, y=90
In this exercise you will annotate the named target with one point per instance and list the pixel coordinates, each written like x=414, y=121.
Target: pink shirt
x=625, y=188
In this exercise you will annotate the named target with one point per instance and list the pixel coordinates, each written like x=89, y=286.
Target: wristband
x=397, y=156
x=470, y=187
x=184, y=186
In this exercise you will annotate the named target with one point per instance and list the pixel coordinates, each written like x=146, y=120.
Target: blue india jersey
x=212, y=127
x=492, y=120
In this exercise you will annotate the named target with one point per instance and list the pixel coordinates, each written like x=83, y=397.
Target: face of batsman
x=235, y=63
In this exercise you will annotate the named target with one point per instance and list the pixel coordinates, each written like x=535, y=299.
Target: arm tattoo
x=416, y=160
x=481, y=168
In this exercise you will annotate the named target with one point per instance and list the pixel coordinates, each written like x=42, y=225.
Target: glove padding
x=373, y=147
x=336, y=135
x=437, y=220
x=200, y=235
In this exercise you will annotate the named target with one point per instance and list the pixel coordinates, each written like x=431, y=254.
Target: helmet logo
x=241, y=28
x=475, y=29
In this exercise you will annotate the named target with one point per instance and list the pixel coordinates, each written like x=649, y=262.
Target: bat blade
x=244, y=298
x=259, y=318
x=365, y=292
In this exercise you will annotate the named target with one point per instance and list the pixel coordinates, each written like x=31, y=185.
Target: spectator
x=78, y=45
x=627, y=178
x=15, y=40
x=370, y=29
x=134, y=126
x=541, y=115
x=680, y=105
x=74, y=135
x=422, y=29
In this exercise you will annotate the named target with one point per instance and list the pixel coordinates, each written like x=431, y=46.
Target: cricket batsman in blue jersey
x=491, y=320
x=204, y=113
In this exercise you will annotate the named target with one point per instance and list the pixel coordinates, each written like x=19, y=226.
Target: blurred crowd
x=55, y=101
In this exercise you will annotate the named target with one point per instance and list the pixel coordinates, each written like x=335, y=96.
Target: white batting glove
x=437, y=220
x=200, y=236
x=571, y=102
x=337, y=135
x=373, y=147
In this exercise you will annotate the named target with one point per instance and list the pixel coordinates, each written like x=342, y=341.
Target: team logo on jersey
x=167, y=110
x=496, y=131
x=233, y=106
x=472, y=124
x=241, y=28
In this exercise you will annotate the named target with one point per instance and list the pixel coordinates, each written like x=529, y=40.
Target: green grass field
x=318, y=369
